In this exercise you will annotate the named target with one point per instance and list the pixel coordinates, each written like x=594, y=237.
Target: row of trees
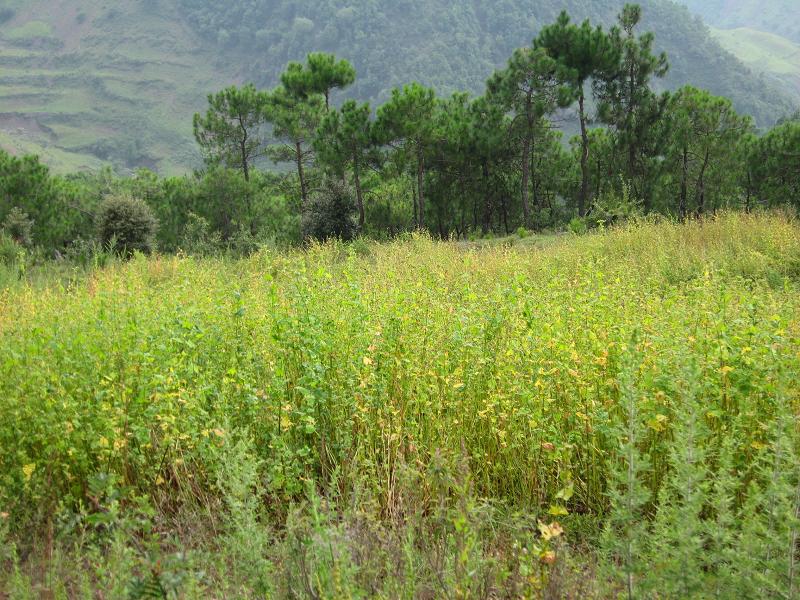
x=457, y=166
x=497, y=161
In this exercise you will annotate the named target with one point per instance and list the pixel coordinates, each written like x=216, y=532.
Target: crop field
x=610, y=415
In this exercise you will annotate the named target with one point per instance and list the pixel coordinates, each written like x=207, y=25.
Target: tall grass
x=614, y=413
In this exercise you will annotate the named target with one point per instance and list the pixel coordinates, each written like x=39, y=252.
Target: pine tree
x=321, y=74
x=628, y=104
x=406, y=123
x=345, y=141
x=295, y=121
x=583, y=52
x=232, y=131
x=530, y=87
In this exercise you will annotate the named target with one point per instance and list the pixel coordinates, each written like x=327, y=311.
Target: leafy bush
x=10, y=250
x=18, y=225
x=126, y=225
x=615, y=207
x=198, y=237
x=330, y=213
x=578, y=226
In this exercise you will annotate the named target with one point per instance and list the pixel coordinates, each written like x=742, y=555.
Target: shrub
x=615, y=207
x=578, y=226
x=330, y=213
x=198, y=237
x=127, y=225
x=18, y=225
x=9, y=249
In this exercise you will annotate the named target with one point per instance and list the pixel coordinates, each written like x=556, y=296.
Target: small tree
x=231, y=132
x=18, y=225
x=127, y=224
x=330, y=213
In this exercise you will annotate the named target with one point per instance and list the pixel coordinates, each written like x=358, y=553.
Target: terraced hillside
x=87, y=83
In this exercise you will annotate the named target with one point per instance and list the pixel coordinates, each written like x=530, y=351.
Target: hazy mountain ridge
x=780, y=17
x=764, y=35
x=766, y=53
x=87, y=81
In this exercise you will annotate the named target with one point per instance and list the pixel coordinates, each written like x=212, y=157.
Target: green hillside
x=87, y=82
x=781, y=17
x=764, y=53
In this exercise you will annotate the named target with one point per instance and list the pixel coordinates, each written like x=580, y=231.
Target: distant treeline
x=457, y=166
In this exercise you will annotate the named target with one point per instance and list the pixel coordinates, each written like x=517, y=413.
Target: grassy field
x=612, y=414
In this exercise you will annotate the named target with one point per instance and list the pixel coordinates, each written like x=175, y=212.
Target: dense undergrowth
x=613, y=414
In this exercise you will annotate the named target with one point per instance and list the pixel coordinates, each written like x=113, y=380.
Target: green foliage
x=295, y=121
x=10, y=250
x=126, y=225
x=406, y=122
x=611, y=208
x=411, y=420
x=18, y=226
x=633, y=111
x=51, y=204
x=345, y=140
x=704, y=157
x=583, y=52
x=198, y=238
x=773, y=166
x=321, y=74
x=330, y=213
x=626, y=527
x=231, y=131
x=530, y=88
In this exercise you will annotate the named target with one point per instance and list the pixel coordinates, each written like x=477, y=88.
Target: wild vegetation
x=419, y=350
x=594, y=416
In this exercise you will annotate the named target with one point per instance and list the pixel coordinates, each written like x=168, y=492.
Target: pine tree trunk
x=487, y=201
x=684, y=177
x=583, y=198
x=414, y=205
x=245, y=166
x=301, y=173
x=243, y=149
x=359, y=195
x=700, y=193
x=420, y=186
x=526, y=171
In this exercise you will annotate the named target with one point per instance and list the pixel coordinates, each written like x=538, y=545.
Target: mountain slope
x=86, y=83
x=91, y=81
x=780, y=17
x=766, y=53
